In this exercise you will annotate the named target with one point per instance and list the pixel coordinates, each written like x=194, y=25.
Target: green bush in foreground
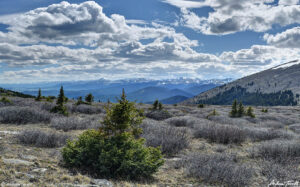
x=115, y=150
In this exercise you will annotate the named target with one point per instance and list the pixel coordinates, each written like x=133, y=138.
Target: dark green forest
x=283, y=98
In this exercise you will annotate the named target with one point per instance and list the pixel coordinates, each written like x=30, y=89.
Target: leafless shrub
x=182, y=121
x=279, y=151
x=158, y=114
x=23, y=115
x=217, y=169
x=261, y=134
x=228, y=120
x=224, y=134
x=171, y=139
x=275, y=171
x=74, y=123
x=84, y=109
x=295, y=127
x=272, y=124
x=42, y=138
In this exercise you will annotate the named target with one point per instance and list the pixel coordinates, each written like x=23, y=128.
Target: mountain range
x=279, y=85
x=168, y=91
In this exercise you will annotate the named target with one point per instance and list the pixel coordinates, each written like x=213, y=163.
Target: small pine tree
x=39, y=96
x=234, y=109
x=241, y=110
x=160, y=106
x=79, y=100
x=116, y=149
x=201, y=105
x=60, y=108
x=61, y=97
x=89, y=98
x=155, y=105
x=250, y=112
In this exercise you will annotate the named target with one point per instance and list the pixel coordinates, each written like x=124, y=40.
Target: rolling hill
x=5, y=92
x=279, y=85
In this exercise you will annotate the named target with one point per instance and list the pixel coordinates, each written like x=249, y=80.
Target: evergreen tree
x=250, y=112
x=60, y=108
x=241, y=110
x=39, y=96
x=234, y=110
x=155, y=105
x=89, y=98
x=61, y=97
x=116, y=149
x=79, y=100
x=160, y=106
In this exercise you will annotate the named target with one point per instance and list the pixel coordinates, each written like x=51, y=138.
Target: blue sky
x=52, y=40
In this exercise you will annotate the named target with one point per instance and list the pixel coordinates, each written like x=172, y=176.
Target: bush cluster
x=218, y=169
x=84, y=109
x=279, y=151
x=224, y=134
x=158, y=114
x=23, y=115
x=40, y=138
x=171, y=139
x=74, y=123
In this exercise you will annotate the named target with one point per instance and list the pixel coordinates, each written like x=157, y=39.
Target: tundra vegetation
x=139, y=144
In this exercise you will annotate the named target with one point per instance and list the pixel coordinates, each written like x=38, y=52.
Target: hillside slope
x=5, y=92
x=279, y=85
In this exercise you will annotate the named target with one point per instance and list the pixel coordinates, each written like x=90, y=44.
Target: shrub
x=155, y=105
x=213, y=113
x=171, y=139
x=89, y=98
x=74, y=123
x=182, y=121
x=49, y=99
x=59, y=109
x=201, y=106
x=217, y=169
x=5, y=100
x=42, y=139
x=114, y=151
x=295, y=128
x=279, y=151
x=79, y=101
x=224, y=134
x=158, y=114
x=264, y=110
x=262, y=134
x=250, y=112
x=274, y=171
x=85, y=109
x=23, y=115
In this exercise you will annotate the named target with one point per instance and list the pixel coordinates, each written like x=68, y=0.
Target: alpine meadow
x=109, y=93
